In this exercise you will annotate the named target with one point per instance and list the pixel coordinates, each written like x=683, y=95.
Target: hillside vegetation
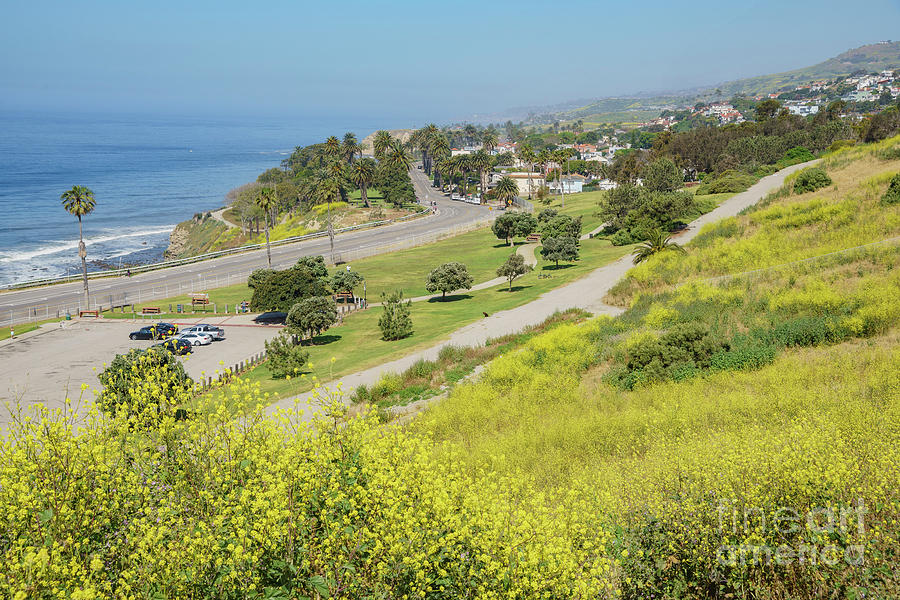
x=726, y=438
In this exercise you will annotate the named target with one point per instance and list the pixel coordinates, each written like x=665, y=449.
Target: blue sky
x=403, y=60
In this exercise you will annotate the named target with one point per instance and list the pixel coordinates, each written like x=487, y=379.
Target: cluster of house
x=723, y=111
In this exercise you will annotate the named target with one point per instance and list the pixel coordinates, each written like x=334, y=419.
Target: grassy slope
x=819, y=425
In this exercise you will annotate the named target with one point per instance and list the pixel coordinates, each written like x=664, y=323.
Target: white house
x=521, y=179
x=571, y=184
x=607, y=184
x=803, y=109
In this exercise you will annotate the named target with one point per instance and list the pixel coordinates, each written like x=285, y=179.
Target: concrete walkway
x=586, y=293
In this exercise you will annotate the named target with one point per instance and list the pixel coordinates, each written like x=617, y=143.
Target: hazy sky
x=403, y=60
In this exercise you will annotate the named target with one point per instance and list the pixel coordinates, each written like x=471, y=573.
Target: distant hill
x=873, y=57
x=640, y=107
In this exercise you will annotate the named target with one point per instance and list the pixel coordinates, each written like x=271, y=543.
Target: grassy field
x=357, y=344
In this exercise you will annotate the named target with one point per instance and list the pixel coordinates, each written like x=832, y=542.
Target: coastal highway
x=36, y=303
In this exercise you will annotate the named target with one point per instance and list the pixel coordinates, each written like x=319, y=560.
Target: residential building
x=521, y=179
x=571, y=184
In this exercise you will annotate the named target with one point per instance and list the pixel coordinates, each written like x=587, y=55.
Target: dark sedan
x=271, y=318
x=176, y=346
x=157, y=331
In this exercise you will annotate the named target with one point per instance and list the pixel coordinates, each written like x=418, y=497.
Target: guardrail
x=209, y=255
x=205, y=282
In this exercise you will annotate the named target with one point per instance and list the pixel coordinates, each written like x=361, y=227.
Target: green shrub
x=730, y=181
x=795, y=156
x=801, y=331
x=810, y=180
x=840, y=145
x=286, y=355
x=892, y=195
x=282, y=289
x=258, y=276
x=312, y=316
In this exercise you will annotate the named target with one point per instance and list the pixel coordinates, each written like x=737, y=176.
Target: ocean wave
x=69, y=245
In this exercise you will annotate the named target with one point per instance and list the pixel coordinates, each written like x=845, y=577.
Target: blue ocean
x=148, y=173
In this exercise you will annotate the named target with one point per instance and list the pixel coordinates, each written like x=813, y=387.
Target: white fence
x=206, y=281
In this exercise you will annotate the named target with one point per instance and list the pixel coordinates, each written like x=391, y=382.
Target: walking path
x=586, y=293
x=219, y=215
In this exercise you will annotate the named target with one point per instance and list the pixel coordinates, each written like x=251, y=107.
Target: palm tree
x=482, y=163
x=266, y=200
x=455, y=166
x=470, y=132
x=333, y=147
x=559, y=157
x=506, y=189
x=350, y=147
x=440, y=152
x=328, y=191
x=526, y=154
x=381, y=143
x=362, y=173
x=489, y=141
x=658, y=242
x=398, y=157
x=79, y=201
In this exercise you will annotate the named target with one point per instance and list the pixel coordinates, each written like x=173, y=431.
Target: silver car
x=196, y=338
x=216, y=333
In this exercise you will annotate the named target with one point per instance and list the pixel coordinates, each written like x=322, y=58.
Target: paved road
x=586, y=293
x=46, y=301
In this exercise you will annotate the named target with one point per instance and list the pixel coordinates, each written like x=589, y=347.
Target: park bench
x=199, y=299
x=88, y=313
x=533, y=237
x=150, y=310
x=343, y=296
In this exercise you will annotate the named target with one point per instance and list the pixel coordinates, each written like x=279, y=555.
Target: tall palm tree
x=329, y=190
x=398, y=157
x=489, y=141
x=440, y=152
x=333, y=148
x=559, y=157
x=362, y=173
x=381, y=143
x=350, y=147
x=455, y=167
x=470, y=131
x=267, y=200
x=79, y=201
x=658, y=242
x=482, y=163
x=506, y=189
x=526, y=154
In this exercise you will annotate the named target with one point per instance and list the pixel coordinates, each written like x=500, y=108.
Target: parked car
x=196, y=338
x=217, y=333
x=271, y=318
x=157, y=331
x=176, y=346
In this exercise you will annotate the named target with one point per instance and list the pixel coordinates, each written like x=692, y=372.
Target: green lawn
x=584, y=205
x=357, y=344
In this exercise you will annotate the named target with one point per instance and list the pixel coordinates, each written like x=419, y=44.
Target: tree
x=562, y=226
x=394, y=184
x=560, y=248
x=489, y=140
x=285, y=356
x=395, y=322
x=767, y=109
x=482, y=163
x=311, y=316
x=129, y=377
x=662, y=175
x=266, y=201
x=333, y=149
x=398, y=157
x=258, y=276
x=658, y=242
x=511, y=224
x=362, y=174
x=449, y=277
x=346, y=281
x=381, y=143
x=315, y=263
x=350, y=147
x=285, y=288
x=79, y=201
x=513, y=268
x=618, y=203
x=506, y=190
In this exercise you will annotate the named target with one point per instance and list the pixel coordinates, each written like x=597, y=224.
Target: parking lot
x=54, y=363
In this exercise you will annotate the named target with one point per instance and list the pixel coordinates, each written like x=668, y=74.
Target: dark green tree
x=662, y=175
x=449, y=277
x=562, y=248
x=285, y=355
x=346, y=281
x=311, y=316
x=315, y=264
x=285, y=288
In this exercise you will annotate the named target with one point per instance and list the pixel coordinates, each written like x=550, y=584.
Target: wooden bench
x=343, y=296
x=533, y=237
x=150, y=310
x=88, y=313
x=199, y=299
